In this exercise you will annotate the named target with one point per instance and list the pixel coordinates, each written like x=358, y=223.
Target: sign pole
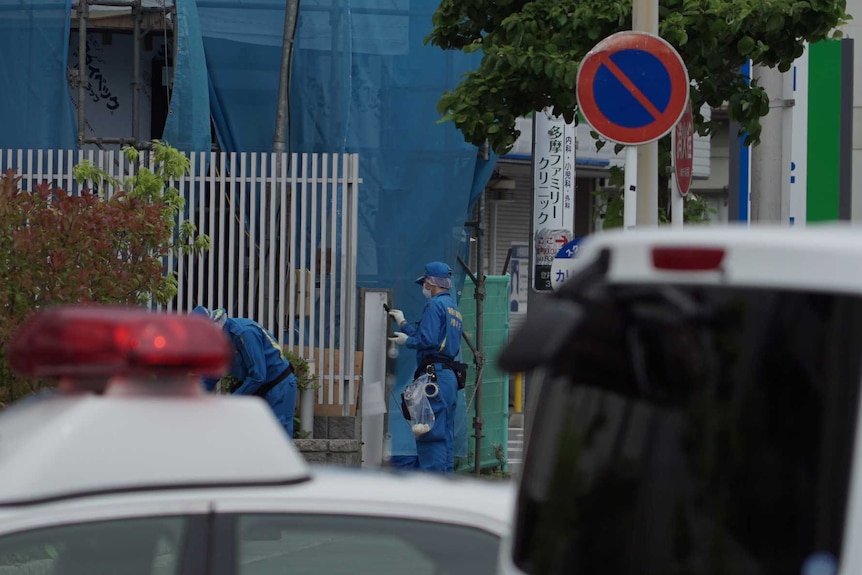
x=630, y=203
x=677, y=201
x=645, y=19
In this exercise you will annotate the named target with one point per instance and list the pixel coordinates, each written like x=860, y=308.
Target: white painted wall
x=854, y=30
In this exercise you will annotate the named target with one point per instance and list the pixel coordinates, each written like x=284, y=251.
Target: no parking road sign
x=632, y=88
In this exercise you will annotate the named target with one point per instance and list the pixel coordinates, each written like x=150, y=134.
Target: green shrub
x=56, y=248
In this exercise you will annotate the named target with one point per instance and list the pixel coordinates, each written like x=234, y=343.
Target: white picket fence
x=283, y=230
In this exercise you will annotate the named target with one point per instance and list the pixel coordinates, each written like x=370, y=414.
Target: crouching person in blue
x=258, y=364
x=436, y=337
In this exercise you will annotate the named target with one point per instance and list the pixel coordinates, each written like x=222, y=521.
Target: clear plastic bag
x=417, y=405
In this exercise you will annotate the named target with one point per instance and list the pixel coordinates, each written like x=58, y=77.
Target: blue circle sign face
x=632, y=88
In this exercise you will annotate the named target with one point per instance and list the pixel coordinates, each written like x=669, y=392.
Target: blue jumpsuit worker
x=259, y=365
x=437, y=341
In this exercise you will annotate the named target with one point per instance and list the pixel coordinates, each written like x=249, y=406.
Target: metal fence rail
x=283, y=230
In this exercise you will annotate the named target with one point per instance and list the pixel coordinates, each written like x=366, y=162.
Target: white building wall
x=854, y=30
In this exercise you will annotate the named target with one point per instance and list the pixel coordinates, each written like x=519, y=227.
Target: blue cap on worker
x=437, y=273
x=217, y=315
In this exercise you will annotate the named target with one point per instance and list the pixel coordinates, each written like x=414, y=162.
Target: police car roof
x=820, y=257
x=483, y=503
x=413, y=490
x=58, y=446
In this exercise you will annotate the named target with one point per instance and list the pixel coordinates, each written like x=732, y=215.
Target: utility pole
x=282, y=113
x=279, y=147
x=645, y=19
x=770, y=160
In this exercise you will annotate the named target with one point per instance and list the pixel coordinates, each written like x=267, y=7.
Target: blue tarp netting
x=242, y=40
x=364, y=82
x=188, y=123
x=35, y=107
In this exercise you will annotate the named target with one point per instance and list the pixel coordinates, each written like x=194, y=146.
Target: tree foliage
x=58, y=248
x=532, y=50
x=611, y=204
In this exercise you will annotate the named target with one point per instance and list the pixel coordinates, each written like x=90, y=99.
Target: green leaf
x=532, y=50
x=474, y=47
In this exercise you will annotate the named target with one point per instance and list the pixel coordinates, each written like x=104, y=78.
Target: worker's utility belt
x=460, y=369
x=266, y=387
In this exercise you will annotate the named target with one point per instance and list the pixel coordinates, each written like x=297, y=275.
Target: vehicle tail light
x=687, y=259
x=104, y=341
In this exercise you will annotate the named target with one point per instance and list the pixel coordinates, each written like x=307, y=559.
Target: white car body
x=819, y=260
x=140, y=451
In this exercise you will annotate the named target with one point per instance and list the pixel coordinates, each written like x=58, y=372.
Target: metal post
x=519, y=392
x=677, y=202
x=645, y=19
x=786, y=143
x=479, y=294
x=630, y=195
x=83, y=14
x=677, y=205
x=136, y=72
x=282, y=112
x=535, y=298
x=291, y=11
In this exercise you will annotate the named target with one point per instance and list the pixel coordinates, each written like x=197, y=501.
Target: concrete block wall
x=337, y=441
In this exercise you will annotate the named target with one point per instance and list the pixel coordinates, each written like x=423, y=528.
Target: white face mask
x=426, y=292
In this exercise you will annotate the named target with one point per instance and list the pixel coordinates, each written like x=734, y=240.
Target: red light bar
x=105, y=341
x=687, y=259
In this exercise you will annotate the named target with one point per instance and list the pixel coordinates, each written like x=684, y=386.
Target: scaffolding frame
x=139, y=32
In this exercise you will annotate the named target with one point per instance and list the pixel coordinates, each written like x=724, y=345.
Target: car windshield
x=694, y=430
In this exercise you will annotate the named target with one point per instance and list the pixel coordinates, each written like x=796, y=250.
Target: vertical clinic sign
x=553, y=193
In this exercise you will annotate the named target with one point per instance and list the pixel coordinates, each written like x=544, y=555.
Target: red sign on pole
x=632, y=88
x=683, y=150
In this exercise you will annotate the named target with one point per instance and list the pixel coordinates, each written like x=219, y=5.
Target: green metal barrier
x=495, y=383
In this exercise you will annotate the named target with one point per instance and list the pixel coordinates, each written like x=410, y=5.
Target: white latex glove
x=399, y=337
x=398, y=316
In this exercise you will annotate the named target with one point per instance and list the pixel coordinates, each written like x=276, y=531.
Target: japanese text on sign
x=553, y=192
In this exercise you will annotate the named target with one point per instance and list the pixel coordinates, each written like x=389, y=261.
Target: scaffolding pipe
x=113, y=3
x=100, y=141
x=479, y=294
x=82, y=65
x=144, y=9
x=291, y=10
x=136, y=73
